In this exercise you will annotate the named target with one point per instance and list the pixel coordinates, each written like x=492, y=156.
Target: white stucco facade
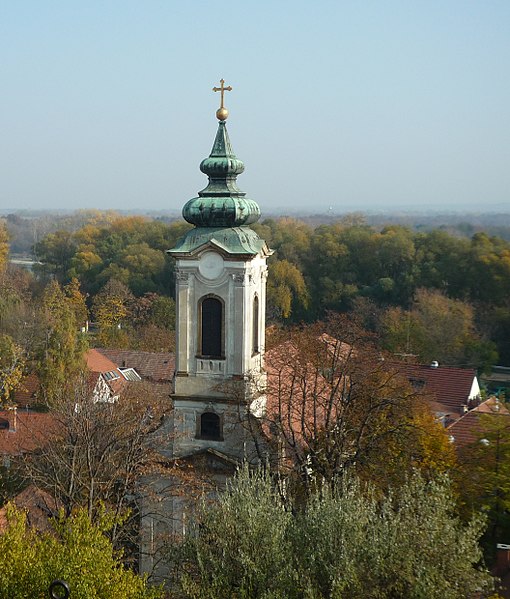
x=225, y=385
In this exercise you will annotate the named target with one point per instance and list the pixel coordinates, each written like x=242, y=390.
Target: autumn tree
x=431, y=448
x=437, y=328
x=484, y=477
x=334, y=404
x=111, y=308
x=77, y=302
x=4, y=246
x=12, y=367
x=289, y=237
x=99, y=451
x=61, y=358
x=286, y=290
x=74, y=550
x=153, y=323
x=129, y=249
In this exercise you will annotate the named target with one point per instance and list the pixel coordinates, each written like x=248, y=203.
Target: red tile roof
x=156, y=366
x=446, y=385
x=27, y=392
x=33, y=430
x=39, y=506
x=97, y=362
x=468, y=428
x=112, y=375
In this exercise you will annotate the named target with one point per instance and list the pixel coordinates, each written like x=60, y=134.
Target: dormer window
x=210, y=427
x=111, y=375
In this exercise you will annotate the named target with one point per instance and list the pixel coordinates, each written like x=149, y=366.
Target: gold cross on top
x=222, y=89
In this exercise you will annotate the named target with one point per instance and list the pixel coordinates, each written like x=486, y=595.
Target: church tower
x=220, y=309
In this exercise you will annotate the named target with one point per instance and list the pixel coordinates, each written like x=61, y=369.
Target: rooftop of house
x=116, y=378
x=25, y=430
x=449, y=386
x=468, y=428
x=27, y=393
x=38, y=505
x=98, y=362
x=156, y=366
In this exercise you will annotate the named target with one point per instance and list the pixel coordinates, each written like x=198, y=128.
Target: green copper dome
x=221, y=203
x=221, y=213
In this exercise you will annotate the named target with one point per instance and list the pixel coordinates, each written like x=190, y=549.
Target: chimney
x=502, y=559
x=434, y=364
x=464, y=409
x=12, y=411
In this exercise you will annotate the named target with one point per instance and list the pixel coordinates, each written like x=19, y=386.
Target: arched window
x=255, y=326
x=211, y=328
x=210, y=427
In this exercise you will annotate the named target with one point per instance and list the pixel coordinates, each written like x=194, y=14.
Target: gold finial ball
x=222, y=114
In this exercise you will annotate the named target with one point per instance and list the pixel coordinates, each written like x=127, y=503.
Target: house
x=39, y=506
x=453, y=394
x=451, y=391
x=27, y=425
x=468, y=428
x=22, y=431
x=107, y=379
x=157, y=367
x=27, y=394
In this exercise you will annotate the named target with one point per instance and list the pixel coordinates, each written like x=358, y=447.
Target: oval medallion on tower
x=211, y=265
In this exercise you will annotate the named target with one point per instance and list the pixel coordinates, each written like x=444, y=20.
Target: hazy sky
x=349, y=104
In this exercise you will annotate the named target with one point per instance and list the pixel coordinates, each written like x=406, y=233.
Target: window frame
x=255, y=327
x=199, y=433
x=200, y=353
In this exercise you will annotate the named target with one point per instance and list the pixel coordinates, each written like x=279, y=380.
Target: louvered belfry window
x=211, y=328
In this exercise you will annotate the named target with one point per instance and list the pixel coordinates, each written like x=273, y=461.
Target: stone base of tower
x=167, y=509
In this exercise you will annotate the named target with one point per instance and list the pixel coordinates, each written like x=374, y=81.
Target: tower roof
x=221, y=203
x=221, y=213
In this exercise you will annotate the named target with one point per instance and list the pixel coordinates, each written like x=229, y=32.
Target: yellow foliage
x=12, y=366
x=435, y=452
x=4, y=246
x=286, y=284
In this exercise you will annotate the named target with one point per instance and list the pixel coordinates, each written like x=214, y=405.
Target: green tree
x=4, y=246
x=162, y=312
x=76, y=551
x=443, y=261
x=55, y=252
x=12, y=366
x=61, y=357
x=345, y=543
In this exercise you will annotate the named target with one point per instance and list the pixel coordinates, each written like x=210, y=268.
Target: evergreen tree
x=348, y=542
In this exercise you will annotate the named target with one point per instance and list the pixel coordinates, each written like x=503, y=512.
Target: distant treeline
x=27, y=228
x=400, y=280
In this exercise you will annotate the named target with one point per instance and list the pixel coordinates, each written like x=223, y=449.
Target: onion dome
x=221, y=212
x=221, y=203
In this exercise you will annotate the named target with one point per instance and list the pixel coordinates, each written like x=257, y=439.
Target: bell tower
x=220, y=309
